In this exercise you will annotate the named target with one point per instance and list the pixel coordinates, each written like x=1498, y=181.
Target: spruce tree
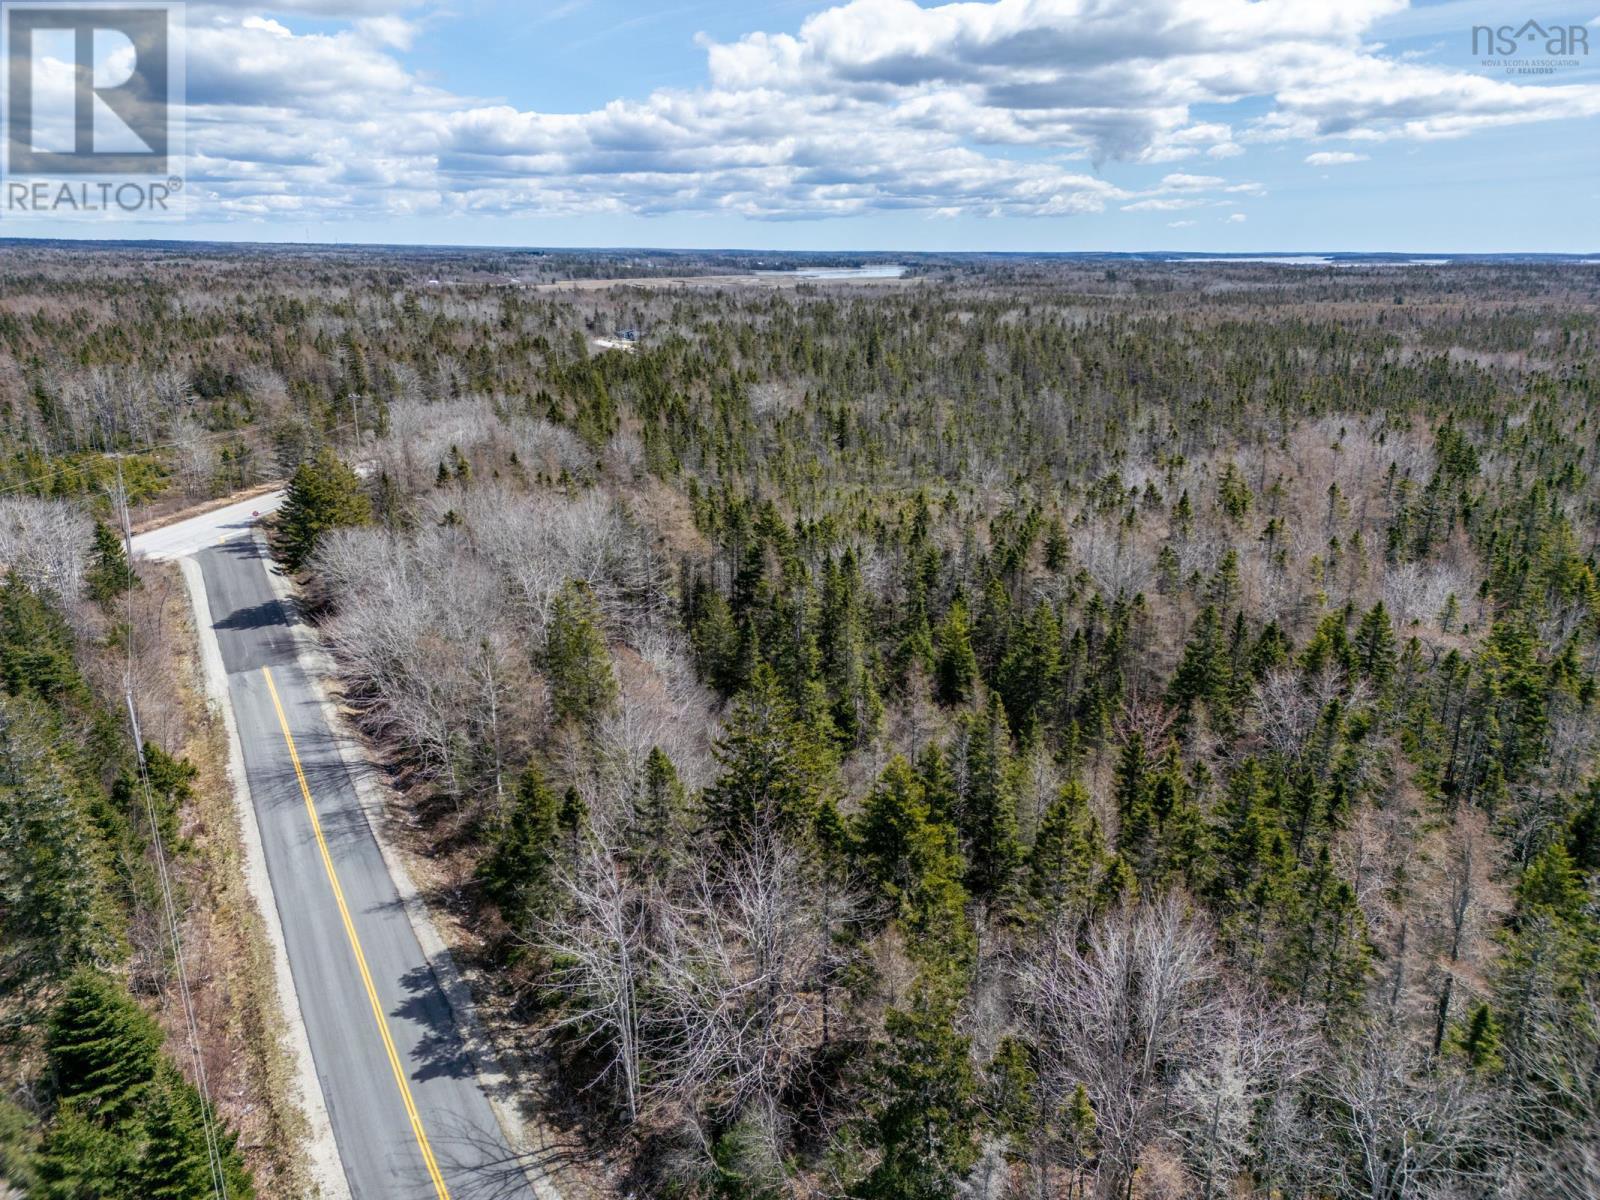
x=1203, y=672
x=956, y=665
x=1011, y=1082
x=577, y=663
x=889, y=828
x=1029, y=676
x=175, y=1163
x=1375, y=646
x=516, y=874
x=923, y=1106
x=109, y=576
x=1131, y=791
x=36, y=647
x=103, y=1049
x=55, y=906
x=661, y=806
x=1478, y=1041
x=842, y=640
x=912, y=857
x=82, y=1159
x=324, y=494
x=938, y=783
x=1066, y=858
x=987, y=810
x=773, y=766
x=991, y=635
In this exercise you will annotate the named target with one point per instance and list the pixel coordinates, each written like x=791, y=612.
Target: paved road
x=219, y=525
x=408, y=1114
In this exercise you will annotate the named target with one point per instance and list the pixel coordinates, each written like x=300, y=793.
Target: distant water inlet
x=875, y=271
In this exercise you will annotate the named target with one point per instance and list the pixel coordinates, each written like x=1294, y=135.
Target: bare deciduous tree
x=599, y=947
x=738, y=977
x=1407, y=1132
x=1123, y=1014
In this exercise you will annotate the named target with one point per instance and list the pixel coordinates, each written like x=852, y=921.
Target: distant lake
x=1316, y=260
x=879, y=271
x=1286, y=260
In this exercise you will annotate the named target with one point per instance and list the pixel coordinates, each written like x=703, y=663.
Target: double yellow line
x=355, y=948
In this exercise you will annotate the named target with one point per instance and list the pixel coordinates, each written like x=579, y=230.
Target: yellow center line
x=355, y=947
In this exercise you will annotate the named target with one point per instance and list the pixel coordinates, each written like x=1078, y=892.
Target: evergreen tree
x=103, y=1049
x=1375, y=646
x=1203, y=672
x=1478, y=1041
x=1178, y=848
x=175, y=1163
x=842, y=640
x=938, y=784
x=956, y=667
x=1011, y=1082
x=109, y=576
x=1066, y=859
x=18, y=1148
x=772, y=765
x=82, y=1159
x=324, y=494
x=1029, y=677
x=1327, y=953
x=1131, y=790
x=55, y=909
x=923, y=1104
x=516, y=874
x=661, y=807
x=991, y=635
x=36, y=647
x=1161, y=833
x=1253, y=879
x=1583, y=831
x=890, y=828
x=912, y=857
x=576, y=662
x=987, y=811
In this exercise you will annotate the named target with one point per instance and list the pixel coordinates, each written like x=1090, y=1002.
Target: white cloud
x=1334, y=158
x=1181, y=224
x=1161, y=205
x=873, y=105
x=1236, y=218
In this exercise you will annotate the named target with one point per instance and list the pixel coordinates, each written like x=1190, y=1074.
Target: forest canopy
x=1034, y=727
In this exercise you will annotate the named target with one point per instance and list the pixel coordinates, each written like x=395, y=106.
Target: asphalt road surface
x=219, y=525
x=402, y=1092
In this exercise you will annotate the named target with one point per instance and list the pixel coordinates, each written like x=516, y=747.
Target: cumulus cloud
x=1010, y=108
x=1335, y=158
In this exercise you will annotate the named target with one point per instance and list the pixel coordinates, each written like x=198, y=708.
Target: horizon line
x=625, y=248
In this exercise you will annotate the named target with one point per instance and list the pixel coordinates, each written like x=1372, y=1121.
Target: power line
x=219, y=1183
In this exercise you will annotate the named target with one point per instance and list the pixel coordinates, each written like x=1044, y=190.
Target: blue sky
x=1058, y=125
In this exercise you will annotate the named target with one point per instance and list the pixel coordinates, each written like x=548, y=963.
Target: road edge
x=493, y=1079
x=327, y=1169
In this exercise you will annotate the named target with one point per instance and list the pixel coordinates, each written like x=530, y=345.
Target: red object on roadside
x=254, y=513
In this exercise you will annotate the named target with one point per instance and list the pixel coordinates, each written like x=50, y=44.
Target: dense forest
x=1033, y=727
